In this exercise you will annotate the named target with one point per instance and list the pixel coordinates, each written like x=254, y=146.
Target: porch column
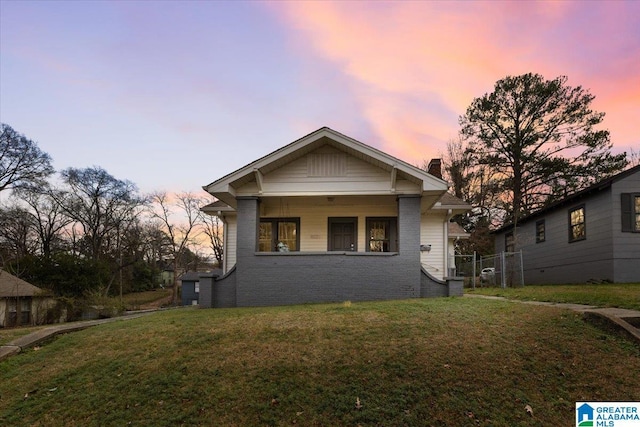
x=247, y=245
x=248, y=223
x=409, y=239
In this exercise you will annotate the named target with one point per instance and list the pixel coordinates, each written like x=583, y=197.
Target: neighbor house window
x=630, y=211
x=540, y=232
x=18, y=311
x=382, y=235
x=509, y=242
x=577, y=224
x=279, y=235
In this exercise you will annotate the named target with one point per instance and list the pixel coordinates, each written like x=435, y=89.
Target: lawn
x=131, y=301
x=422, y=362
x=603, y=295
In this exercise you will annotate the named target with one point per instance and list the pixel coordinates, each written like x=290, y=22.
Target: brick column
x=409, y=243
x=247, y=245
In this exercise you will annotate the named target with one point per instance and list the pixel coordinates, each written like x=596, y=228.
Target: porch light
x=425, y=248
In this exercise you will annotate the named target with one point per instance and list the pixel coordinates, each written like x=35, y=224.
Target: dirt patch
x=162, y=302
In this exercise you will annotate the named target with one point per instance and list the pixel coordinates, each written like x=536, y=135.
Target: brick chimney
x=435, y=168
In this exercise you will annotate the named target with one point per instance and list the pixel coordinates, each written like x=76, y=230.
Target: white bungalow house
x=328, y=218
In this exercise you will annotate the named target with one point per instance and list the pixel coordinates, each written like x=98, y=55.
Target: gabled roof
x=323, y=136
x=575, y=197
x=11, y=286
x=449, y=201
x=454, y=230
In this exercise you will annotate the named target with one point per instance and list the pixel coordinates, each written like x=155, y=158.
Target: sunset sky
x=173, y=95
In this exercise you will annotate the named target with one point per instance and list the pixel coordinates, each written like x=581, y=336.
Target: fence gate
x=504, y=269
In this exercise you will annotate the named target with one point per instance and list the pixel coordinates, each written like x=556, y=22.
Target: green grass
x=603, y=295
x=9, y=334
x=440, y=362
x=132, y=301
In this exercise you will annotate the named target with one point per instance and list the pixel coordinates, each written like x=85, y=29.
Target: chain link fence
x=504, y=269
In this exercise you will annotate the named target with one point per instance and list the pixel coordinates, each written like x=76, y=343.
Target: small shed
x=190, y=288
x=21, y=303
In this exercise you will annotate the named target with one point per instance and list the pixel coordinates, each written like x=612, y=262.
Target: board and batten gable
x=326, y=171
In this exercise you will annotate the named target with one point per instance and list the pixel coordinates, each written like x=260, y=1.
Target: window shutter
x=627, y=211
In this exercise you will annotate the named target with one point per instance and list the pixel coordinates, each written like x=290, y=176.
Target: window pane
x=637, y=211
x=264, y=242
x=287, y=236
x=577, y=216
x=577, y=229
x=577, y=232
x=509, y=243
x=379, y=235
x=540, y=236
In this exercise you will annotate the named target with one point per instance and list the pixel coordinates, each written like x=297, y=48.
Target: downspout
x=446, y=241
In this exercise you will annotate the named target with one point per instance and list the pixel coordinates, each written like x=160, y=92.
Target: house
x=592, y=235
x=21, y=303
x=328, y=218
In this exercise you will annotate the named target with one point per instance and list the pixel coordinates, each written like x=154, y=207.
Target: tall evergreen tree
x=540, y=140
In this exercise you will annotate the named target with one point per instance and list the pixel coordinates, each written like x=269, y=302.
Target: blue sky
x=173, y=95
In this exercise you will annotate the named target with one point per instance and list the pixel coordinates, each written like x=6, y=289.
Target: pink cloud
x=414, y=67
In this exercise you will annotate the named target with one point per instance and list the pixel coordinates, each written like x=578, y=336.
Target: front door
x=342, y=234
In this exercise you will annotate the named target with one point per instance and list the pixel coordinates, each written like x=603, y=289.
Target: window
x=509, y=242
x=630, y=212
x=577, y=224
x=18, y=311
x=382, y=234
x=197, y=287
x=279, y=235
x=540, y=235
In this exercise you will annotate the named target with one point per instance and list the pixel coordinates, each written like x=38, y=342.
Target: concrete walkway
x=35, y=338
x=627, y=320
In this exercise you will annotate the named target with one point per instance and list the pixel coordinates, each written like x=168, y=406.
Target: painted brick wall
x=297, y=277
x=266, y=279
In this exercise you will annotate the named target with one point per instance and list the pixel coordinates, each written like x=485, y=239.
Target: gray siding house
x=593, y=235
x=327, y=218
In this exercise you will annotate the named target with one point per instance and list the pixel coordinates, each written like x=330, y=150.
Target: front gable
x=328, y=163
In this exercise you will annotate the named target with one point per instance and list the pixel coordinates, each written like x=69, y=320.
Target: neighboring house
x=21, y=303
x=593, y=235
x=328, y=218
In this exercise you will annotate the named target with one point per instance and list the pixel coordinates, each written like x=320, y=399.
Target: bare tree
x=179, y=217
x=17, y=235
x=634, y=157
x=213, y=229
x=21, y=161
x=100, y=203
x=47, y=218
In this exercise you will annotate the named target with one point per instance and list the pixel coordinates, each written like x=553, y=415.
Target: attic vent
x=327, y=164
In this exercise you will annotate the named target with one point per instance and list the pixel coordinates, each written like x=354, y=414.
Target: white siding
x=432, y=233
x=231, y=238
x=314, y=213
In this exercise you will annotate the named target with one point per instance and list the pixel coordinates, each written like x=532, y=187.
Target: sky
x=174, y=95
